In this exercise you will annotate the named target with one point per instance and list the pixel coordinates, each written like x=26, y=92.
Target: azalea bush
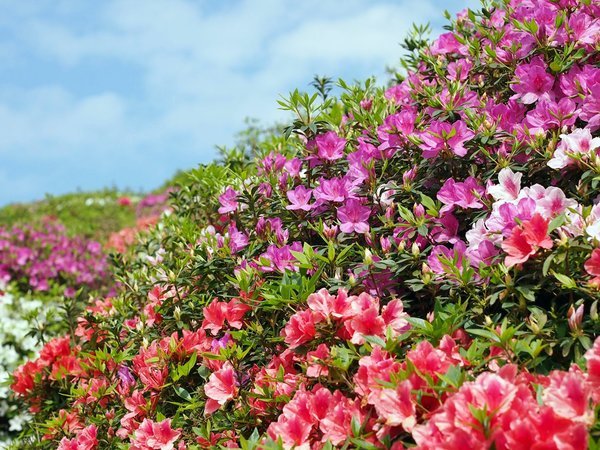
x=19, y=313
x=47, y=259
x=415, y=266
x=93, y=215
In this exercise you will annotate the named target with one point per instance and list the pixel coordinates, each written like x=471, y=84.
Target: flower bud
x=368, y=258
x=575, y=317
x=386, y=244
x=415, y=250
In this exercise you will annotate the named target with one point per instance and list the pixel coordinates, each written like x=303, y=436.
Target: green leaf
x=566, y=281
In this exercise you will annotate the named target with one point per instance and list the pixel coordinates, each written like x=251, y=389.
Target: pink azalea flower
x=525, y=240
x=237, y=239
x=300, y=328
x=330, y=146
x=459, y=70
x=442, y=136
x=333, y=190
x=447, y=43
x=533, y=81
x=228, y=201
x=508, y=187
x=293, y=167
x=155, y=436
x=222, y=386
x=554, y=203
x=592, y=267
x=299, y=198
x=86, y=439
x=466, y=194
x=579, y=143
x=396, y=406
x=354, y=217
x=441, y=259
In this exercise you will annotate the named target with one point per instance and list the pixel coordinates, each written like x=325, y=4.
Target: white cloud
x=200, y=72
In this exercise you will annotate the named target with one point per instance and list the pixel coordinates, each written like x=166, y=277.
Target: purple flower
x=125, y=375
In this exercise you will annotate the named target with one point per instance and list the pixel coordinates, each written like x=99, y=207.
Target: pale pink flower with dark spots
x=509, y=185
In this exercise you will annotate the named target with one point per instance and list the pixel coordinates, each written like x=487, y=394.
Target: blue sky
x=125, y=92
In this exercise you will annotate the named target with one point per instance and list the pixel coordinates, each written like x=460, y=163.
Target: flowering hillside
x=409, y=267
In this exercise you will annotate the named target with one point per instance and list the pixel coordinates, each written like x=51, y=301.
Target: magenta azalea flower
x=228, y=201
x=445, y=136
x=299, y=199
x=533, y=81
x=330, y=146
x=354, y=217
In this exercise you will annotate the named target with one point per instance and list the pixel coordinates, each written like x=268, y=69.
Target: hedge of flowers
x=411, y=267
x=18, y=314
x=46, y=257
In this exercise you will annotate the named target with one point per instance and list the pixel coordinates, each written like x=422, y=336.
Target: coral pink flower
x=317, y=362
x=569, y=396
x=218, y=312
x=592, y=266
x=367, y=323
x=394, y=317
x=86, y=439
x=592, y=357
x=396, y=406
x=155, y=436
x=321, y=302
x=293, y=431
x=300, y=328
x=330, y=146
x=429, y=360
x=222, y=386
x=526, y=240
x=354, y=217
x=337, y=424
